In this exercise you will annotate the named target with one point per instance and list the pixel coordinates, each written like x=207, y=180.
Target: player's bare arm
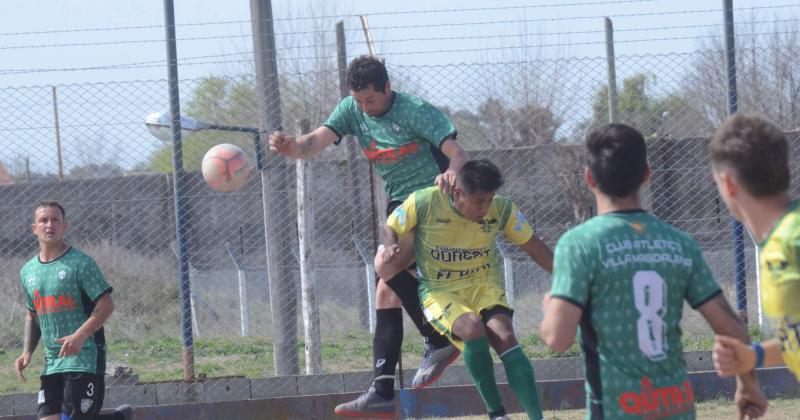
x=32, y=335
x=723, y=320
x=73, y=343
x=458, y=157
x=386, y=264
x=540, y=252
x=303, y=147
x=560, y=323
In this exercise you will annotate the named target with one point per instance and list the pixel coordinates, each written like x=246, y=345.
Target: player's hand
x=732, y=357
x=21, y=363
x=446, y=182
x=390, y=252
x=282, y=144
x=70, y=344
x=750, y=402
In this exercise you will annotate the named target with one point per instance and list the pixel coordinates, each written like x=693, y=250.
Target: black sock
x=386, y=349
x=405, y=286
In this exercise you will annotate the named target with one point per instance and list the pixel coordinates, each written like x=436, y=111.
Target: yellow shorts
x=442, y=309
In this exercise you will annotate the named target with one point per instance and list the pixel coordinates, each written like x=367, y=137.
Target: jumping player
x=456, y=252
x=410, y=142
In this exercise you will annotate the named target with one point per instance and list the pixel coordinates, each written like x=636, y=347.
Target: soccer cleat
x=368, y=405
x=126, y=410
x=434, y=362
x=503, y=417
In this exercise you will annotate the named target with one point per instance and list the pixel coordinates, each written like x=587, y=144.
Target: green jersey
x=63, y=293
x=454, y=253
x=404, y=143
x=630, y=273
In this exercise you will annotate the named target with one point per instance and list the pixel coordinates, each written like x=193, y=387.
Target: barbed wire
x=189, y=61
x=397, y=40
x=227, y=22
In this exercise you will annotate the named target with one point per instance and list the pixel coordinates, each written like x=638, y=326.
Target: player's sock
x=522, y=380
x=386, y=349
x=405, y=286
x=480, y=367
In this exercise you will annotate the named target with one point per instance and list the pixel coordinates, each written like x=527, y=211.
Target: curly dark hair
x=367, y=70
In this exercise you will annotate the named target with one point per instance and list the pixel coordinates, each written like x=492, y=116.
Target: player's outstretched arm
x=72, y=344
x=540, y=252
x=32, y=335
x=303, y=147
x=733, y=357
x=750, y=401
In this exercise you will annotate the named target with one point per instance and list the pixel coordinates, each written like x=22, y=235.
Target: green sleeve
x=28, y=298
x=571, y=278
x=91, y=279
x=433, y=125
x=341, y=119
x=701, y=286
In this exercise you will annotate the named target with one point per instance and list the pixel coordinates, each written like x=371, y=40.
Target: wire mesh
x=529, y=116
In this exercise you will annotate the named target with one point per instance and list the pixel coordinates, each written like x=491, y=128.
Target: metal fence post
x=305, y=235
x=179, y=195
x=613, y=113
x=738, y=229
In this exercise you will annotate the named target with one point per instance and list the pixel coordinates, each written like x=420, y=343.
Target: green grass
x=161, y=359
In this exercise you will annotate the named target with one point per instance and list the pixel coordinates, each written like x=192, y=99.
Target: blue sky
x=43, y=41
x=24, y=52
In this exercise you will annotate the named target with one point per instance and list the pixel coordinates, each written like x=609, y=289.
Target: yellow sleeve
x=404, y=217
x=781, y=300
x=517, y=230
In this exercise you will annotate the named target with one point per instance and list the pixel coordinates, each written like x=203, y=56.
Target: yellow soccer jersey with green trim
x=780, y=284
x=453, y=252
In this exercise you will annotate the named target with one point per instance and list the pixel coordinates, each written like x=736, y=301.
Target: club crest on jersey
x=364, y=129
x=62, y=275
x=396, y=128
x=86, y=404
x=30, y=280
x=487, y=225
x=637, y=227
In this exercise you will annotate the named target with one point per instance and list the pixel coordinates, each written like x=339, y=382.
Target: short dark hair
x=756, y=149
x=617, y=159
x=47, y=204
x=479, y=175
x=367, y=70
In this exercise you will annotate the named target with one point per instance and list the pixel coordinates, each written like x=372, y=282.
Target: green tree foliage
x=218, y=101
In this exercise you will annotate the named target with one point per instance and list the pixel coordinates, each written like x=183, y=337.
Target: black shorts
x=76, y=394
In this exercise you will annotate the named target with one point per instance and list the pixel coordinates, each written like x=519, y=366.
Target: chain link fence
x=87, y=147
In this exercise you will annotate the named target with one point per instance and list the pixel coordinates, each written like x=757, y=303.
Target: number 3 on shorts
x=90, y=389
x=650, y=293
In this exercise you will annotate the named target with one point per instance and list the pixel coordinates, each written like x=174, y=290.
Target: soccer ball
x=225, y=167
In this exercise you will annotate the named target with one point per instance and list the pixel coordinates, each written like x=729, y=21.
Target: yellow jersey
x=780, y=284
x=453, y=252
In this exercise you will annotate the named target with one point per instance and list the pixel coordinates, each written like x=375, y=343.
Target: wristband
x=759, y=355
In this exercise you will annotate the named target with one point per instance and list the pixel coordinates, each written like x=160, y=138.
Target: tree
x=767, y=74
x=674, y=116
